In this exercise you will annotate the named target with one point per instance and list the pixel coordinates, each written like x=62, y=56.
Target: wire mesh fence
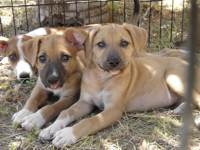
x=165, y=20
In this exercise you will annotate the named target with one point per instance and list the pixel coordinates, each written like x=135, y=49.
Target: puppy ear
x=26, y=38
x=138, y=36
x=3, y=45
x=31, y=50
x=92, y=31
x=76, y=37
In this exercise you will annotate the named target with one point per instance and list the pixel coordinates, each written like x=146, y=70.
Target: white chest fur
x=57, y=92
x=98, y=98
x=61, y=92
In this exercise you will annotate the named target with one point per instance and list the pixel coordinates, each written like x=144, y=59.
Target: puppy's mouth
x=55, y=86
x=112, y=71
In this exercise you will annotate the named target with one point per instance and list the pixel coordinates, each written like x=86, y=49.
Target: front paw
x=64, y=137
x=49, y=132
x=35, y=120
x=179, y=110
x=197, y=121
x=19, y=116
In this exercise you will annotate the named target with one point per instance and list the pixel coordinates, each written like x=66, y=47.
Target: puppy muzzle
x=54, y=82
x=23, y=70
x=53, y=74
x=113, y=62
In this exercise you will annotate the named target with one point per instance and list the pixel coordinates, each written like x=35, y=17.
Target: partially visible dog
x=54, y=56
x=118, y=79
x=13, y=49
x=179, y=53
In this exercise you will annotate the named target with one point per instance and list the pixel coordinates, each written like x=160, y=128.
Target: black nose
x=52, y=79
x=113, y=61
x=24, y=75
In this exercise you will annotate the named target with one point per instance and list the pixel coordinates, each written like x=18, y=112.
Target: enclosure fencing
x=165, y=23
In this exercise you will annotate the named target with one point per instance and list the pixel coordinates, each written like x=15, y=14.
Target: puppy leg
x=176, y=80
x=46, y=113
x=70, y=135
x=37, y=98
x=76, y=111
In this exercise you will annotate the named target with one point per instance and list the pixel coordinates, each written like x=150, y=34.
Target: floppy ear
x=26, y=37
x=138, y=36
x=92, y=31
x=3, y=45
x=76, y=37
x=31, y=50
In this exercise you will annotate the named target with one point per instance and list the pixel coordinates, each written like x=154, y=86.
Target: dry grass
x=156, y=130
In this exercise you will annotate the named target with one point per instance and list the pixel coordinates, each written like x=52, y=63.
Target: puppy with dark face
x=54, y=57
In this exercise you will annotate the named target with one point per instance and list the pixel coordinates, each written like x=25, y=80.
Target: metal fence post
x=187, y=116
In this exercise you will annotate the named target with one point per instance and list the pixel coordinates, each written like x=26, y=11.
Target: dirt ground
x=156, y=130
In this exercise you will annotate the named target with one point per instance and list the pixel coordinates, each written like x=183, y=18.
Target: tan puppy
x=54, y=56
x=117, y=79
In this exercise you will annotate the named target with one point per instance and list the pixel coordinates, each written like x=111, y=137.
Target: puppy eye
x=101, y=44
x=42, y=59
x=65, y=58
x=124, y=43
x=12, y=57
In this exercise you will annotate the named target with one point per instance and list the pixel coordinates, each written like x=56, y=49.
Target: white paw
x=64, y=137
x=35, y=120
x=179, y=110
x=49, y=132
x=19, y=116
x=197, y=121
